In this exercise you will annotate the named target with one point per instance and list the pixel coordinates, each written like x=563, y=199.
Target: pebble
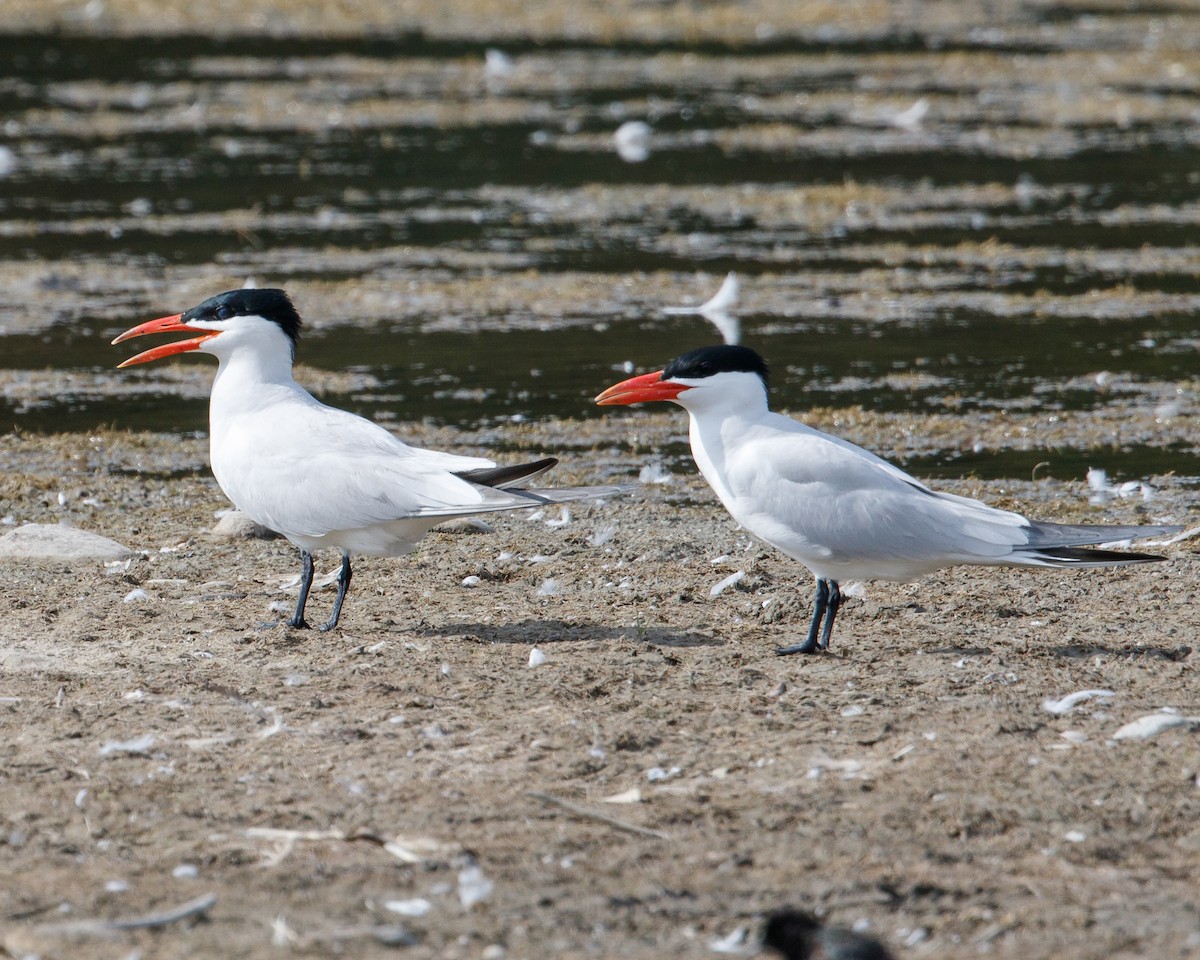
x=235, y=525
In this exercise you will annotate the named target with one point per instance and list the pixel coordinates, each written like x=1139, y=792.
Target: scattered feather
x=1067, y=703
x=563, y=519
x=471, y=581
x=1179, y=537
x=724, y=299
x=536, y=657
x=136, y=594
x=105, y=928
x=549, y=588
x=416, y=907
x=656, y=774
x=282, y=935
x=632, y=795
x=1074, y=836
x=720, y=587
x=911, y=118
x=717, y=310
x=136, y=745
x=600, y=537
x=734, y=942
x=186, y=871
x=1143, y=728
x=1102, y=490
x=655, y=472
x=473, y=886
x=270, y=713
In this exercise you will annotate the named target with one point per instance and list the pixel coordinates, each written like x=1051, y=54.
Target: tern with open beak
x=320, y=476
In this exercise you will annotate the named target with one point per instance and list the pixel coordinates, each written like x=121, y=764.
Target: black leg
x=819, y=604
x=835, y=601
x=306, y=579
x=343, y=586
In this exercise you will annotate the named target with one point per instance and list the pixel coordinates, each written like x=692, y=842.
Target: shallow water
x=471, y=246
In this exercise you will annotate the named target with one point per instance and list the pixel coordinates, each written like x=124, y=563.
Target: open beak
x=649, y=386
x=163, y=325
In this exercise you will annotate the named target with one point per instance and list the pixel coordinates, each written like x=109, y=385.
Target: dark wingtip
x=1094, y=557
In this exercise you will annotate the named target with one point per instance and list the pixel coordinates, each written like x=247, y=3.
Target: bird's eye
x=224, y=313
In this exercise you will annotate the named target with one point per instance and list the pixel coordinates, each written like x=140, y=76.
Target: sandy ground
x=911, y=779
x=304, y=792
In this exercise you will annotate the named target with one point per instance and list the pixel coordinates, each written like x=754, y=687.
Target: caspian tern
x=320, y=476
x=841, y=511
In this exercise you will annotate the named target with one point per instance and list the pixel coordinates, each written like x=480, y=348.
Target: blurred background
x=482, y=208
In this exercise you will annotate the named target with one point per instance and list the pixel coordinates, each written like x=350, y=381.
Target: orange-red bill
x=163, y=325
x=649, y=386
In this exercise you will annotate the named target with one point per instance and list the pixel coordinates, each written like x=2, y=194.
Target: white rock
x=632, y=141
x=497, y=64
x=235, y=525
x=536, y=657
x=57, y=542
x=136, y=594
x=465, y=525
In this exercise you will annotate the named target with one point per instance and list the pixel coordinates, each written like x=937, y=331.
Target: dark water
x=130, y=153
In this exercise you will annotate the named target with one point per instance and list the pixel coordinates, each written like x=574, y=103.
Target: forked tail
x=1070, y=545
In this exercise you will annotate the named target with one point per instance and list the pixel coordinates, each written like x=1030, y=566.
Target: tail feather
x=1086, y=559
x=515, y=498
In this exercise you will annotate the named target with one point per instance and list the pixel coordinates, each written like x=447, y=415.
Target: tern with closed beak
x=841, y=511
